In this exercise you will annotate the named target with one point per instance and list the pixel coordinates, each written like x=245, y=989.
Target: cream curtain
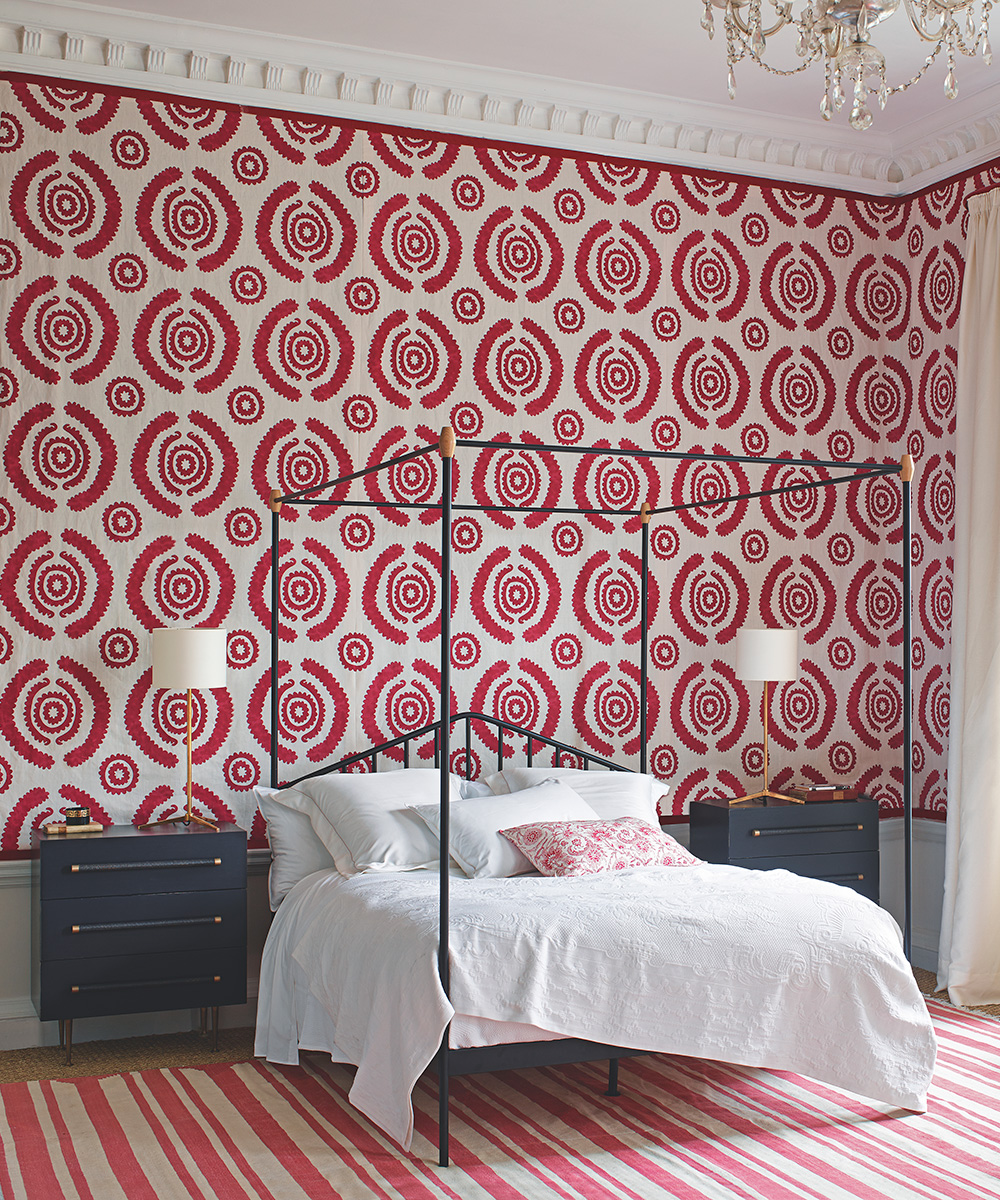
x=969, y=958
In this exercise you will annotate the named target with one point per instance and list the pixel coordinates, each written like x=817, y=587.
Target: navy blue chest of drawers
x=836, y=840
x=138, y=920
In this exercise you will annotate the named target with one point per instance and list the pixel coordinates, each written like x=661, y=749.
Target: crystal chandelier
x=839, y=33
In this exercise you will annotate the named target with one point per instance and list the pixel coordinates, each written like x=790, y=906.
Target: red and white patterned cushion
x=587, y=847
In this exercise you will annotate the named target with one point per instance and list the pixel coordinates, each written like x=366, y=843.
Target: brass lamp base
x=188, y=815
x=767, y=795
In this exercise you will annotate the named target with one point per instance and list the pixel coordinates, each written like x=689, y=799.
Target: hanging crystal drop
x=950, y=85
x=883, y=95
x=757, y=41
x=708, y=20
x=861, y=116
x=838, y=94
x=987, y=52
x=801, y=49
x=732, y=84
x=825, y=107
x=970, y=25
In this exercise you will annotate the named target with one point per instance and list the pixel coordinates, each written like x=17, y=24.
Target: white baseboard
x=16, y=1008
x=21, y=1028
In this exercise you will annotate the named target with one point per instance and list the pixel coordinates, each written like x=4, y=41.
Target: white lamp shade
x=189, y=658
x=768, y=654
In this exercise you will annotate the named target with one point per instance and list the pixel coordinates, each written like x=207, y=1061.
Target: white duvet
x=767, y=969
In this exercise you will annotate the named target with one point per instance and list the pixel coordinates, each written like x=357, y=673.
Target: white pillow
x=476, y=842
x=296, y=800
x=296, y=851
x=318, y=802
x=371, y=817
x=611, y=794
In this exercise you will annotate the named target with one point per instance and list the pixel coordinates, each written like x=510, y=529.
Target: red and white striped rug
x=682, y=1128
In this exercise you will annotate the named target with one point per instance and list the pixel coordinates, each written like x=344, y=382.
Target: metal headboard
x=371, y=755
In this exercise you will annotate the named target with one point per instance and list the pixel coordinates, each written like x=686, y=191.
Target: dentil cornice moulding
x=106, y=47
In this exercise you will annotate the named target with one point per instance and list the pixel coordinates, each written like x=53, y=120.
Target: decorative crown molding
x=108, y=48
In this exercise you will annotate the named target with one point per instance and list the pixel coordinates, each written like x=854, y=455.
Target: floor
x=125, y=1054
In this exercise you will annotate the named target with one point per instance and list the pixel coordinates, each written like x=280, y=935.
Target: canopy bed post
x=274, y=503
x=447, y=449
x=906, y=476
x=645, y=513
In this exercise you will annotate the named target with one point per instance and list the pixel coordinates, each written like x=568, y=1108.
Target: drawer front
x=121, y=866
x=99, y=926
x=850, y=827
x=96, y=987
x=857, y=871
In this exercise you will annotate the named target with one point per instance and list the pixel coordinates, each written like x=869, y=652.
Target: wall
x=203, y=303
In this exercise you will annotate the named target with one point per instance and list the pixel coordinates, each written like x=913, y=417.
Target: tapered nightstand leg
x=69, y=1042
x=612, y=1078
x=204, y=1021
x=62, y=1034
x=215, y=1027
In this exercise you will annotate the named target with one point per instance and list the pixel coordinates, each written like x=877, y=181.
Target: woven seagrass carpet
x=682, y=1128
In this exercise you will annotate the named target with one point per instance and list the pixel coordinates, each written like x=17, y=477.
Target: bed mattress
x=766, y=969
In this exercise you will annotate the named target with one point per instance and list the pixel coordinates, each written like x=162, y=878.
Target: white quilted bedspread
x=762, y=968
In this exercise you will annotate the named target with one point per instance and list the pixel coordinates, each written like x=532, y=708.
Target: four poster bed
x=406, y=938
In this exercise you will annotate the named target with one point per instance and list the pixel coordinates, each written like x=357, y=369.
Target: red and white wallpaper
x=201, y=304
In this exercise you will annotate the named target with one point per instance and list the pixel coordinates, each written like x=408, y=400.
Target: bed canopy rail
x=857, y=472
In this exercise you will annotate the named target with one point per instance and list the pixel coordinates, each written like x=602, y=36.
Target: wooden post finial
x=447, y=442
x=906, y=468
x=274, y=501
x=645, y=512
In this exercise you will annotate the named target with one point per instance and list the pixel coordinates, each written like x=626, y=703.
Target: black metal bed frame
x=452, y=1062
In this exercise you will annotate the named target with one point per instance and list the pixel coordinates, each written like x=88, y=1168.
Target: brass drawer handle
x=166, y=923
x=851, y=828
x=77, y=868
x=834, y=878
x=78, y=988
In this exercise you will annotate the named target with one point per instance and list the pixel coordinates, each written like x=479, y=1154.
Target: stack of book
x=60, y=827
x=820, y=791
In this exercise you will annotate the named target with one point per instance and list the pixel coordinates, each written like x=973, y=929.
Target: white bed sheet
x=762, y=968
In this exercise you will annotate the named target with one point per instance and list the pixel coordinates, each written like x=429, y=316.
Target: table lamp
x=771, y=655
x=189, y=658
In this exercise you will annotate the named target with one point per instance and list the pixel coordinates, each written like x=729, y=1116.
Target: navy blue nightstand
x=836, y=840
x=138, y=920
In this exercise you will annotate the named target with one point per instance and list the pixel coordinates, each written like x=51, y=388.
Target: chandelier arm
x=782, y=17
x=832, y=41
x=943, y=12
